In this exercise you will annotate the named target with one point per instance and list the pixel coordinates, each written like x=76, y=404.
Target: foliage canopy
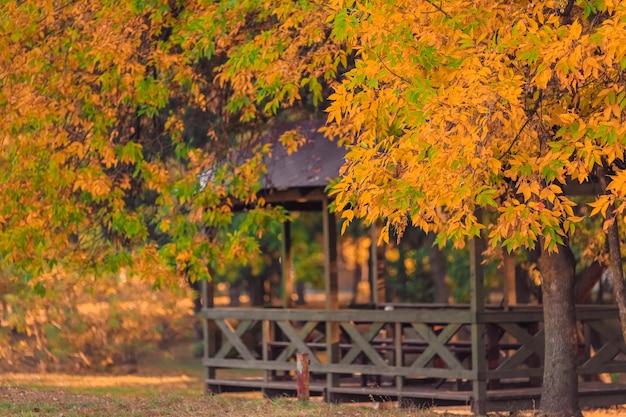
x=461, y=105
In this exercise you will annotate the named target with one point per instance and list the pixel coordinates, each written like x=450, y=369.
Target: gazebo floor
x=507, y=397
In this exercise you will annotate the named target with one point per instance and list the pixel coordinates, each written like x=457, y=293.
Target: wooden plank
x=331, y=282
x=598, y=313
x=301, y=335
x=508, y=268
x=296, y=341
x=377, y=266
x=511, y=316
x=234, y=337
x=209, y=329
x=265, y=341
x=394, y=371
x=308, y=194
x=226, y=347
x=514, y=373
x=436, y=346
x=331, y=286
x=286, y=287
x=399, y=357
x=460, y=396
x=365, y=339
x=611, y=333
x=362, y=344
x=516, y=359
x=439, y=316
x=336, y=369
x=609, y=368
x=529, y=344
x=259, y=383
x=246, y=364
x=303, y=376
x=478, y=329
x=595, y=365
x=405, y=315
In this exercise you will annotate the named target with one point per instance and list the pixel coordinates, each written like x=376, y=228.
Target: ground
x=168, y=383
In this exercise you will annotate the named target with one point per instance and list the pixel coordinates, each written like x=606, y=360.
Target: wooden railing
x=400, y=347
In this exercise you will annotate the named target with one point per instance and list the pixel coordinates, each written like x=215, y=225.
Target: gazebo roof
x=297, y=180
x=313, y=164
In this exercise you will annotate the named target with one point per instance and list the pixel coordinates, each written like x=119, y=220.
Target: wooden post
x=508, y=267
x=376, y=267
x=265, y=353
x=332, y=294
x=286, y=288
x=477, y=306
x=302, y=376
x=210, y=332
x=397, y=338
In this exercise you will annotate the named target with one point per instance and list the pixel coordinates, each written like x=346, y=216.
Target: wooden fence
x=424, y=355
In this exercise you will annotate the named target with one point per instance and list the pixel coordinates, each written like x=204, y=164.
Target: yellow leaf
x=543, y=77
x=575, y=30
x=600, y=205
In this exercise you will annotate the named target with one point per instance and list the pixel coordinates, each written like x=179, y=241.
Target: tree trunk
x=438, y=270
x=615, y=259
x=559, y=396
x=617, y=272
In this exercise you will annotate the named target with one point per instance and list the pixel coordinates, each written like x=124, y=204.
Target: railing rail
x=404, y=343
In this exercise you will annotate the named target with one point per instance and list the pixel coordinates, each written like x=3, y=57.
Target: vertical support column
x=265, y=353
x=302, y=376
x=376, y=267
x=210, y=331
x=397, y=338
x=286, y=287
x=508, y=267
x=477, y=306
x=332, y=294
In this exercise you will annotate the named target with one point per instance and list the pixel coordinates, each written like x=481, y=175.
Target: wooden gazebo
x=490, y=357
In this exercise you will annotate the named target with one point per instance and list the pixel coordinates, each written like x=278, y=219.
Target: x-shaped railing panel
x=297, y=341
x=436, y=346
x=233, y=337
x=362, y=343
x=613, y=345
x=529, y=344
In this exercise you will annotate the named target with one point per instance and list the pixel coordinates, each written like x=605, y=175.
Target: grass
x=169, y=384
x=34, y=401
x=165, y=384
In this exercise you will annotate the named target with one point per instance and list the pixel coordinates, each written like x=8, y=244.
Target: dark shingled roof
x=314, y=164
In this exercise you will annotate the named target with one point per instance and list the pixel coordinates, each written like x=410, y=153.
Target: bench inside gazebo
x=490, y=357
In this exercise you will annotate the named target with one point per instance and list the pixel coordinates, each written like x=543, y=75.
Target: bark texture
x=615, y=257
x=615, y=266
x=559, y=396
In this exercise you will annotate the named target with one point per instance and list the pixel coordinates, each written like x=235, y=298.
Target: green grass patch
x=21, y=402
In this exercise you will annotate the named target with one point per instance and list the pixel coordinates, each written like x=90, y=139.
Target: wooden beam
x=508, y=268
x=287, y=266
x=377, y=267
x=330, y=258
x=332, y=292
x=477, y=306
x=209, y=328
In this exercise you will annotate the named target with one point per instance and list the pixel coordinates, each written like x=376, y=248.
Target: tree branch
x=439, y=8
x=395, y=74
x=532, y=113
